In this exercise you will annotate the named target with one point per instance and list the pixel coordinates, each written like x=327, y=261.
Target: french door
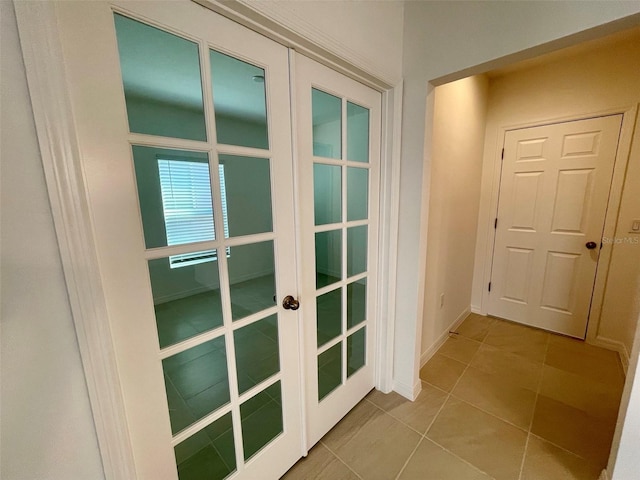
x=206, y=250
x=339, y=161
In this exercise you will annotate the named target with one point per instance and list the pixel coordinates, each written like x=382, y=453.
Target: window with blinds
x=188, y=210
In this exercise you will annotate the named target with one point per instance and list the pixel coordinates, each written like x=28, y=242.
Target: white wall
x=456, y=167
x=451, y=40
x=46, y=429
x=368, y=33
x=604, y=78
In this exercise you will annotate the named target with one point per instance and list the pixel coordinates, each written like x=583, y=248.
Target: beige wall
x=456, y=166
x=604, y=79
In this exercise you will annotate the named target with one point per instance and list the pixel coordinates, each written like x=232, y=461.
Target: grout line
x=409, y=458
x=340, y=459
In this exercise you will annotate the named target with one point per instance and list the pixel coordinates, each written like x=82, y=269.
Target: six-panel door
x=554, y=192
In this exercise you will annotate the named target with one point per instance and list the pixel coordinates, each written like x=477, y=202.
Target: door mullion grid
x=223, y=265
x=343, y=309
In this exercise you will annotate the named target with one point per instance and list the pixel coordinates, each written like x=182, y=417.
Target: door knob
x=290, y=303
x=591, y=245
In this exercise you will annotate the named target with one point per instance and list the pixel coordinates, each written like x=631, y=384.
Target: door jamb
x=59, y=148
x=621, y=161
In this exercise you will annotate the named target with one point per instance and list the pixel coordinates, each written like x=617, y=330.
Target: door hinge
x=489, y=286
x=495, y=224
x=502, y=156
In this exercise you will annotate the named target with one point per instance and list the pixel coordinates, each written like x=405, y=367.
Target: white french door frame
x=59, y=148
x=611, y=217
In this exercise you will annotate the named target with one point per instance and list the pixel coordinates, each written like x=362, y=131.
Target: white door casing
x=95, y=89
x=554, y=192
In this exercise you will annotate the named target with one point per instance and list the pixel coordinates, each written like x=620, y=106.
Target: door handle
x=290, y=303
x=591, y=245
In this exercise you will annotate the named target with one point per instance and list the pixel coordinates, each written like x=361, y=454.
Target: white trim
x=305, y=40
x=603, y=475
x=431, y=351
x=407, y=391
x=477, y=309
x=614, y=345
x=42, y=52
x=58, y=143
x=388, y=243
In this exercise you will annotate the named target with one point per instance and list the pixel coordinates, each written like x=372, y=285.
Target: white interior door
x=184, y=126
x=554, y=192
x=338, y=135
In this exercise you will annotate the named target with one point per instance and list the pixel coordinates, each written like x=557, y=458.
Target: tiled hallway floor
x=499, y=400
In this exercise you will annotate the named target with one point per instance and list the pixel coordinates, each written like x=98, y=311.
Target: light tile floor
x=499, y=400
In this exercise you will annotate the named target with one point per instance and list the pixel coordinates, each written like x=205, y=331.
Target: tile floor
x=499, y=400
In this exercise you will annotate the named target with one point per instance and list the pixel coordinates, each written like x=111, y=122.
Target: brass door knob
x=290, y=303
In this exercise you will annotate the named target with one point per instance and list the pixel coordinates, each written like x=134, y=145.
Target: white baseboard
x=616, y=346
x=476, y=309
x=430, y=352
x=408, y=392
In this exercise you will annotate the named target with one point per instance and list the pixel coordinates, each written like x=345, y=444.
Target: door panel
x=184, y=126
x=338, y=137
x=554, y=191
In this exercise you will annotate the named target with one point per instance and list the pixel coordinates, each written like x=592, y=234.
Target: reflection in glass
x=197, y=383
x=247, y=190
x=356, y=351
x=252, y=278
x=327, y=124
x=174, y=193
x=261, y=418
x=357, y=193
x=357, y=133
x=257, y=354
x=210, y=453
x=161, y=78
x=329, y=370
x=186, y=299
x=328, y=257
x=356, y=302
x=327, y=193
x=356, y=250
x=329, y=316
x=239, y=102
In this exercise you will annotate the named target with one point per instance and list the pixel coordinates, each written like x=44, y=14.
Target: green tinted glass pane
x=209, y=454
x=356, y=351
x=327, y=193
x=357, y=133
x=239, y=102
x=161, y=78
x=327, y=124
x=197, y=383
x=252, y=278
x=356, y=302
x=328, y=257
x=329, y=370
x=356, y=250
x=257, y=354
x=186, y=298
x=174, y=193
x=329, y=316
x=246, y=184
x=261, y=419
x=357, y=193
